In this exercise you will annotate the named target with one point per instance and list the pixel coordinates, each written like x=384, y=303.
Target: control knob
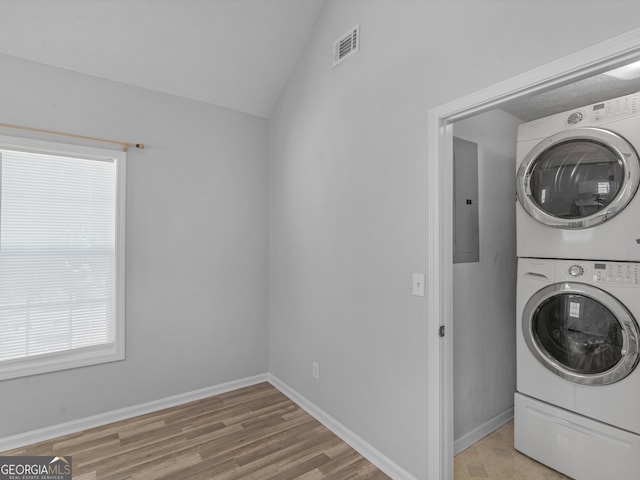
x=576, y=270
x=575, y=117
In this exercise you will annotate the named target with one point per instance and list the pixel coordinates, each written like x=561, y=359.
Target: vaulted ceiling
x=237, y=54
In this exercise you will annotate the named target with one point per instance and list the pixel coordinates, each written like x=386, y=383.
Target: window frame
x=99, y=354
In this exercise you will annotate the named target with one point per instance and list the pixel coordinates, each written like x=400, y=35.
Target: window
x=61, y=256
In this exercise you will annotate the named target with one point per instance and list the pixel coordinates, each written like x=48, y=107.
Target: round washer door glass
x=578, y=178
x=581, y=333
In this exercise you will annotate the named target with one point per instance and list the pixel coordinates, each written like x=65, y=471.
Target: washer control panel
x=616, y=273
x=599, y=273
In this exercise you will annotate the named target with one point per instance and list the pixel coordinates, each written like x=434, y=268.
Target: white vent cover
x=346, y=45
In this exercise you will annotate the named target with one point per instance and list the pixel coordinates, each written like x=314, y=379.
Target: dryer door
x=581, y=333
x=578, y=178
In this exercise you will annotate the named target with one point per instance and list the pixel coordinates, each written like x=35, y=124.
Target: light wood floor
x=494, y=458
x=254, y=433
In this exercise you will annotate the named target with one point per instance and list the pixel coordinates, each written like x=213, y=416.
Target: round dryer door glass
x=581, y=333
x=578, y=178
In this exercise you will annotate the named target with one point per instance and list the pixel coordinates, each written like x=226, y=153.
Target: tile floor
x=494, y=458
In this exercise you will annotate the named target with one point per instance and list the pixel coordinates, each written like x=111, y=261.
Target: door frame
x=603, y=56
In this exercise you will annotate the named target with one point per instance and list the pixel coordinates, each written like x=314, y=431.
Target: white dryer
x=578, y=380
x=577, y=177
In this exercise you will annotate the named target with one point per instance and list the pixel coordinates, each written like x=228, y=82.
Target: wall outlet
x=315, y=370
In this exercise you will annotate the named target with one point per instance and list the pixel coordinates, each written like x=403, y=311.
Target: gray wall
x=484, y=293
x=196, y=243
x=348, y=199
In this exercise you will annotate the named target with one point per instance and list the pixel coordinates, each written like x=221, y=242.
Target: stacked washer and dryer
x=577, y=405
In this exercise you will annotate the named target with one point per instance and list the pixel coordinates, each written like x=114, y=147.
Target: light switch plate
x=418, y=284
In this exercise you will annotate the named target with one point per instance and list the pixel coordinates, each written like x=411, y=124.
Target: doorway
x=605, y=56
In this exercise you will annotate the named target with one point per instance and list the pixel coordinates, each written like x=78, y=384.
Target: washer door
x=581, y=333
x=578, y=178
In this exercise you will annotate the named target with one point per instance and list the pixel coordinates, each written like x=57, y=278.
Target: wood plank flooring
x=255, y=433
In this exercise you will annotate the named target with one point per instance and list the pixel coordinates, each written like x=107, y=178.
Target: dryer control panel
x=599, y=273
x=594, y=115
x=616, y=108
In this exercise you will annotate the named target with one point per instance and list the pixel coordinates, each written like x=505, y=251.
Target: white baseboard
x=384, y=463
x=482, y=431
x=47, y=433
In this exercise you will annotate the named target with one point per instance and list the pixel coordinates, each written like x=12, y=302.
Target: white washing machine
x=577, y=406
x=577, y=177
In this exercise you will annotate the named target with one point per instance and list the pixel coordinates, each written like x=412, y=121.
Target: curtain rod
x=125, y=145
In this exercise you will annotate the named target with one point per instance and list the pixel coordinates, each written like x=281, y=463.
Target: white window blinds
x=58, y=258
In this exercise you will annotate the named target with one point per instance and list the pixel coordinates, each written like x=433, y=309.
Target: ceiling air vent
x=346, y=45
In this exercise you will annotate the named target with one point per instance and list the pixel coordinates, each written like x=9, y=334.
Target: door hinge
x=441, y=331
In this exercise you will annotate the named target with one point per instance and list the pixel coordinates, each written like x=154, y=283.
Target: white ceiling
x=233, y=53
